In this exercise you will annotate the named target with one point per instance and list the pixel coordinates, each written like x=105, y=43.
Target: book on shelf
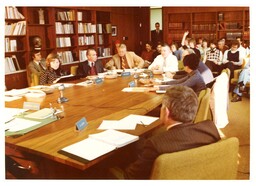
x=79, y=16
x=18, y=28
x=98, y=144
x=82, y=55
x=11, y=64
x=66, y=57
x=11, y=12
x=10, y=45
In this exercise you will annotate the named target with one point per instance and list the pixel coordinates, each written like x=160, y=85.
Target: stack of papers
x=41, y=114
x=19, y=124
x=127, y=123
x=99, y=144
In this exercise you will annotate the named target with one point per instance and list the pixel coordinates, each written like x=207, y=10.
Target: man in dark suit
x=156, y=35
x=91, y=66
x=179, y=107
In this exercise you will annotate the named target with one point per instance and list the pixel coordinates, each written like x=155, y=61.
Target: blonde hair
x=51, y=57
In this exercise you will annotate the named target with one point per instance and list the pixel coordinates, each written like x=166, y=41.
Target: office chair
x=216, y=161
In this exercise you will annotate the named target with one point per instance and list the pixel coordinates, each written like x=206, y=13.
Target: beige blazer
x=133, y=60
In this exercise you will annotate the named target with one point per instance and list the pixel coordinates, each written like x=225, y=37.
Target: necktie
x=93, y=69
x=123, y=62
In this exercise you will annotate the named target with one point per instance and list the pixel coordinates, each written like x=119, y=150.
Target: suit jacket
x=133, y=60
x=84, y=68
x=35, y=68
x=156, y=37
x=180, y=137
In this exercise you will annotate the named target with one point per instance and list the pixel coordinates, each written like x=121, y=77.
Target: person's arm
x=32, y=69
x=138, y=60
x=110, y=64
x=142, y=167
x=225, y=57
x=80, y=70
x=184, y=38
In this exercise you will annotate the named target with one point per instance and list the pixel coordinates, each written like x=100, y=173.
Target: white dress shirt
x=169, y=64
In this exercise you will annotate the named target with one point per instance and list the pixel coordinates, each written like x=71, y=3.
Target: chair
x=34, y=80
x=73, y=70
x=219, y=99
x=217, y=161
x=203, y=112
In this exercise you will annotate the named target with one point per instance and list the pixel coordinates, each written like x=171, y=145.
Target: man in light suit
x=179, y=107
x=124, y=60
x=91, y=66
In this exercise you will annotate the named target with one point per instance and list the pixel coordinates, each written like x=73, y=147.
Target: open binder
x=98, y=144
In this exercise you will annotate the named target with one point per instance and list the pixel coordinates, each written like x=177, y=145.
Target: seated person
x=232, y=58
x=147, y=54
x=175, y=51
x=91, y=66
x=244, y=77
x=193, y=79
x=179, y=107
x=202, y=68
x=124, y=60
x=157, y=51
x=37, y=65
x=213, y=58
x=165, y=62
x=53, y=70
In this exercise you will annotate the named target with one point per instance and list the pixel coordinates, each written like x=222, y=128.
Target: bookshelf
x=69, y=31
x=15, y=47
x=213, y=23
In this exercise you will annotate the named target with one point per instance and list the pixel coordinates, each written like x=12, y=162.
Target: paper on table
x=9, y=113
x=41, y=114
x=89, y=149
x=115, y=124
x=139, y=119
x=99, y=144
x=16, y=92
x=12, y=98
x=114, y=137
x=66, y=85
x=85, y=83
x=136, y=89
x=19, y=124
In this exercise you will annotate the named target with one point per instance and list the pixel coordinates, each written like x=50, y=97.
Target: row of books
x=206, y=36
x=10, y=45
x=82, y=55
x=66, y=15
x=86, y=40
x=204, y=27
x=84, y=28
x=229, y=26
x=66, y=57
x=175, y=25
x=102, y=52
x=233, y=35
x=100, y=39
x=67, y=28
x=63, y=42
x=18, y=28
x=11, y=64
x=11, y=12
x=104, y=28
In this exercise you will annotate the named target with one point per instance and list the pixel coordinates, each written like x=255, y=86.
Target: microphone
x=62, y=99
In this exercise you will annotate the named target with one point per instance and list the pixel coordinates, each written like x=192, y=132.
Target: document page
x=19, y=124
x=114, y=137
x=89, y=149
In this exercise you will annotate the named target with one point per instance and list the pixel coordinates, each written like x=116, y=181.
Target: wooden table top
x=94, y=102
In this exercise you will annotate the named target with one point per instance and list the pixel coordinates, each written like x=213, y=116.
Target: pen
x=143, y=124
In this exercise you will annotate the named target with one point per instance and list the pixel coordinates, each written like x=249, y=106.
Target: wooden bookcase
x=61, y=33
x=207, y=22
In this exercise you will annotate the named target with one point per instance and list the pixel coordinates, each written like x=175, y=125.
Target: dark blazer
x=156, y=37
x=84, y=68
x=180, y=137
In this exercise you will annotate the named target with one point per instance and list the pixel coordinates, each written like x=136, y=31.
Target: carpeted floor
x=239, y=126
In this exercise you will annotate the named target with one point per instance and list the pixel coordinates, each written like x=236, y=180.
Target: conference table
x=37, y=152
